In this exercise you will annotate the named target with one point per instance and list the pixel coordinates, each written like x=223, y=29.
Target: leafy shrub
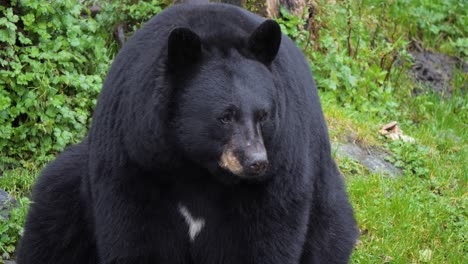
x=293, y=26
x=130, y=14
x=411, y=157
x=359, y=50
x=53, y=60
x=52, y=63
x=348, y=60
x=438, y=24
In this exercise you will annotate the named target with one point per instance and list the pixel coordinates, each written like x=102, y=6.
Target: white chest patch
x=195, y=225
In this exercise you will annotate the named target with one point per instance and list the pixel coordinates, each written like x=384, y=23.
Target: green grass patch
x=419, y=217
x=18, y=182
x=408, y=220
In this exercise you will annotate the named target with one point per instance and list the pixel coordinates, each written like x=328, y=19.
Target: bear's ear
x=265, y=41
x=184, y=48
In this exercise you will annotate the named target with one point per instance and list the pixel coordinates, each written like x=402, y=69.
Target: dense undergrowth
x=54, y=56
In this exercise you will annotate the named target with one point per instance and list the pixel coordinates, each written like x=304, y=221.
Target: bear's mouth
x=247, y=163
x=230, y=162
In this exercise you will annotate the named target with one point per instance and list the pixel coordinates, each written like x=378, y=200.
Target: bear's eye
x=227, y=118
x=262, y=116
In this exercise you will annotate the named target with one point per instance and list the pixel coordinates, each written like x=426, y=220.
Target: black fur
x=154, y=144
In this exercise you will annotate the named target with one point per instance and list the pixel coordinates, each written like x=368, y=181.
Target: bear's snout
x=248, y=161
x=255, y=160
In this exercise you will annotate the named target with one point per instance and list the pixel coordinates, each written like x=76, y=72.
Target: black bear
x=208, y=145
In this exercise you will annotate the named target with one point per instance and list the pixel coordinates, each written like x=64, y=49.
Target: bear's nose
x=258, y=167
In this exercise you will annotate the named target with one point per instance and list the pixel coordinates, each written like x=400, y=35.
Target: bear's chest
x=212, y=226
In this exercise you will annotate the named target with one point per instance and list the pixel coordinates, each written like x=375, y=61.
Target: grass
x=408, y=220
x=413, y=218
x=18, y=183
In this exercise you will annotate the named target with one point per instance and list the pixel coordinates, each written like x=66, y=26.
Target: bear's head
x=223, y=108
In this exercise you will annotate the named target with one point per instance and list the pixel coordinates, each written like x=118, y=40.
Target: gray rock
x=6, y=203
x=371, y=158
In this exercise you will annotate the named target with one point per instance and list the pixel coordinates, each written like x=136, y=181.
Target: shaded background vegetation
x=54, y=56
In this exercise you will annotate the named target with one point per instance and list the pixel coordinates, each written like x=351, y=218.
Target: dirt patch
x=435, y=70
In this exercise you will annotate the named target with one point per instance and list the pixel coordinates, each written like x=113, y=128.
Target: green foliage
x=360, y=70
x=131, y=14
x=18, y=181
x=347, y=58
x=53, y=60
x=411, y=157
x=12, y=228
x=440, y=24
x=350, y=167
x=293, y=27
x=359, y=50
x=52, y=63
